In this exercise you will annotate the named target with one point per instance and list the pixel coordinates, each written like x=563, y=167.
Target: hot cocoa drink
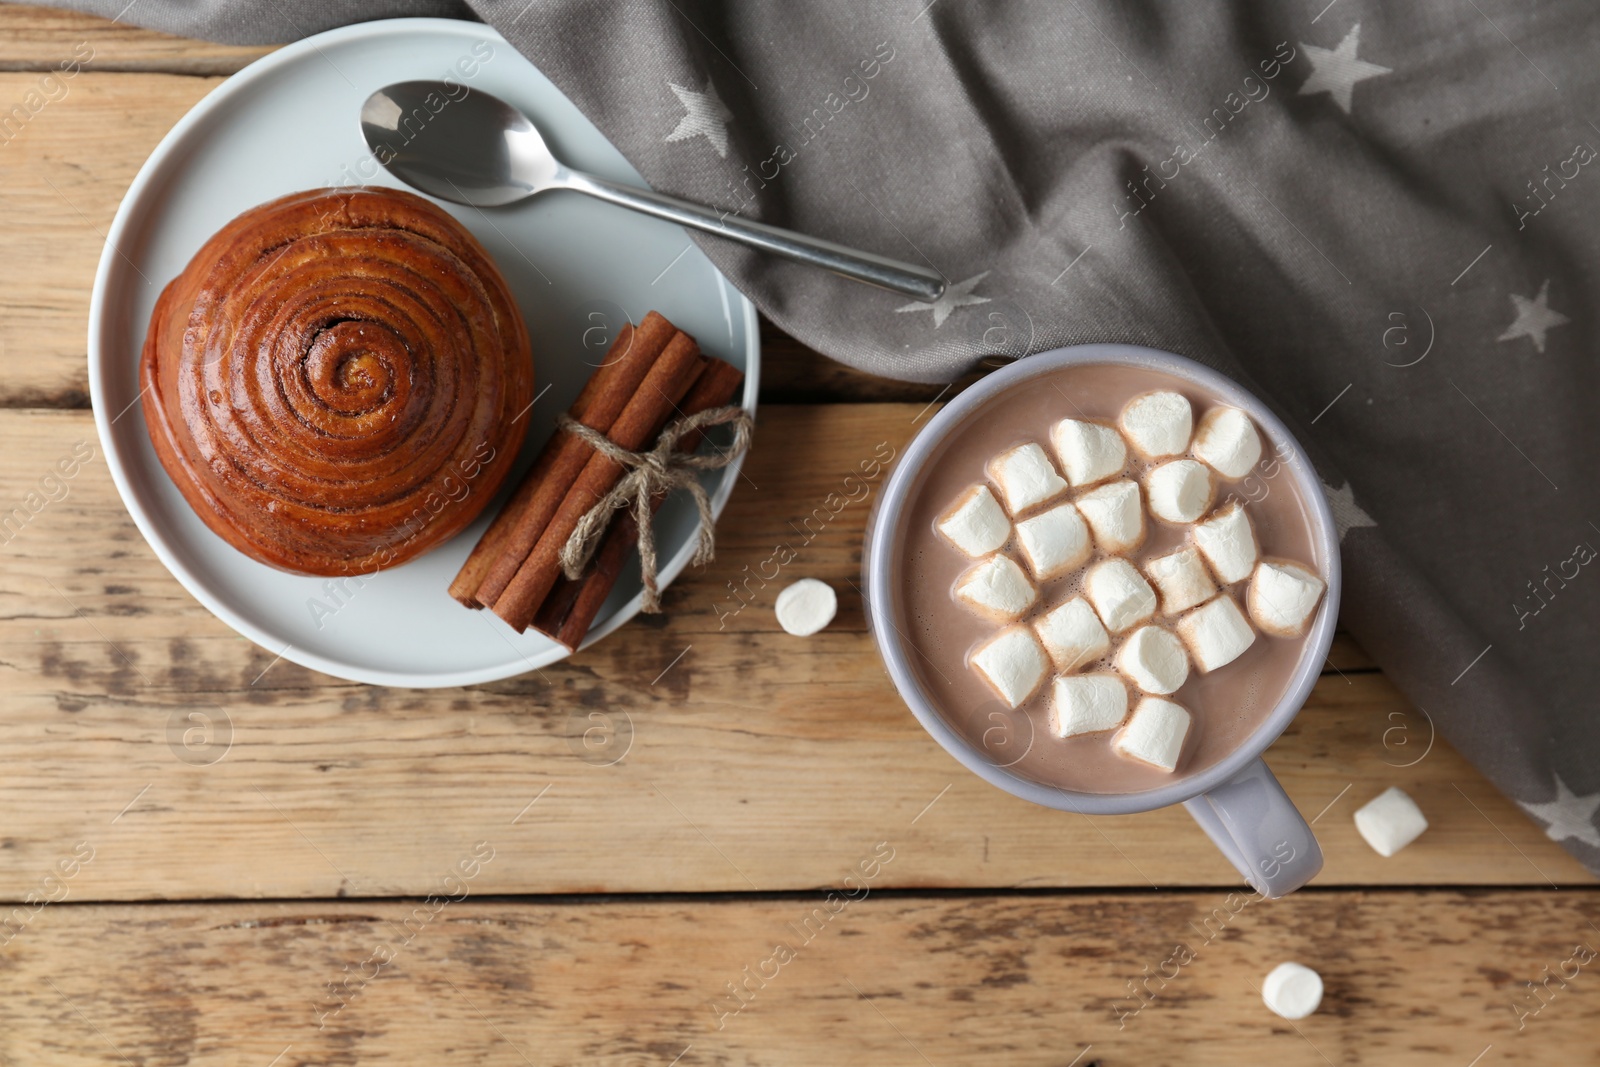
x=1107, y=576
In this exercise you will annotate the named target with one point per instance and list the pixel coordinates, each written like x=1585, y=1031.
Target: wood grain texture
x=39, y=39
x=1423, y=978
x=757, y=760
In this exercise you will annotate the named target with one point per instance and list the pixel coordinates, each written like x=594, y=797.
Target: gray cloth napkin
x=1383, y=219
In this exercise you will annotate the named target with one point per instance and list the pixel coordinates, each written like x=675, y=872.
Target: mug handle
x=1256, y=825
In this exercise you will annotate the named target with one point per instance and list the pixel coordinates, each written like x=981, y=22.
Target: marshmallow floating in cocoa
x=1087, y=704
x=1119, y=593
x=1292, y=990
x=1013, y=663
x=1182, y=580
x=806, y=606
x=1179, y=491
x=998, y=588
x=1155, y=733
x=1390, y=821
x=1217, y=633
x=1227, y=441
x=1026, y=477
x=1089, y=452
x=976, y=524
x=1228, y=542
x=1116, y=515
x=1055, y=541
x=1282, y=597
x=1072, y=635
x=1158, y=424
x=1154, y=660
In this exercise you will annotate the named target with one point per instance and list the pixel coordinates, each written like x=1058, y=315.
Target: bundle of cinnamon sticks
x=653, y=372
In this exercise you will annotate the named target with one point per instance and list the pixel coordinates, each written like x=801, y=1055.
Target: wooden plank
x=41, y=39
x=1425, y=978
x=756, y=759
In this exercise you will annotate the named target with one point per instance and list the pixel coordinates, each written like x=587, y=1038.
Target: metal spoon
x=478, y=150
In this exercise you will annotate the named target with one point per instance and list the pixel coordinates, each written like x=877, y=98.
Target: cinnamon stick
x=570, y=609
x=514, y=532
x=639, y=422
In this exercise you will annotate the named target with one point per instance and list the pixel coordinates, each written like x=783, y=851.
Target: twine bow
x=658, y=471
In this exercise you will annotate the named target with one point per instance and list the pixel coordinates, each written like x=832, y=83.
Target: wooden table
x=599, y=861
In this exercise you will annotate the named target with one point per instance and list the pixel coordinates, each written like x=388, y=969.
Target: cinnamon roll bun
x=338, y=380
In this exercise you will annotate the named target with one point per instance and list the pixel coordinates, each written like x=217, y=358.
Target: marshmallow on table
x=1088, y=451
x=1390, y=821
x=1179, y=491
x=1292, y=990
x=1153, y=660
x=1158, y=424
x=1227, y=441
x=1282, y=597
x=1072, y=634
x=1013, y=663
x=1026, y=477
x=1119, y=594
x=806, y=606
x=1087, y=704
x=1054, y=542
x=1228, y=543
x=998, y=588
x=1115, y=514
x=1217, y=633
x=1155, y=733
x=1182, y=580
x=976, y=524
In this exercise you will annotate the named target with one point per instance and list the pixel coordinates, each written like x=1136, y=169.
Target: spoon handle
x=907, y=279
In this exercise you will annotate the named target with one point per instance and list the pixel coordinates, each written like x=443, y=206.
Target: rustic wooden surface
x=737, y=775
x=882, y=980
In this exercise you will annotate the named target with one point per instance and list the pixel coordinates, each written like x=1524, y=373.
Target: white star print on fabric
x=706, y=117
x=1568, y=816
x=955, y=296
x=1337, y=72
x=1347, y=514
x=1534, y=318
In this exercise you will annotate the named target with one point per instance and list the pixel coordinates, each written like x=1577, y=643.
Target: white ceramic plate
x=289, y=122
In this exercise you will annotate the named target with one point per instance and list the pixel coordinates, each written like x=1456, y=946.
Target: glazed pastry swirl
x=335, y=381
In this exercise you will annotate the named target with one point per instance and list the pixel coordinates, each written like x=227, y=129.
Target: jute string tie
x=660, y=470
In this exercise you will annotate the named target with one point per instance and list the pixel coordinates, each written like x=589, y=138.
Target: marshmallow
x=976, y=524
x=998, y=588
x=1026, y=477
x=1292, y=990
x=1013, y=663
x=1282, y=597
x=1087, y=704
x=1228, y=543
x=1155, y=733
x=806, y=606
x=1072, y=635
x=1227, y=441
x=1153, y=660
x=1179, y=491
x=1217, y=634
x=1158, y=424
x=1054, y=541
x=1182, y=580
x=1115, y=515
x=1119, y=593
x=1390, y=821
x=1088, y=451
